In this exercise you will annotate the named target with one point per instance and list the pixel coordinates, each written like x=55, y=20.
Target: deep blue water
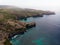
x=46, y=32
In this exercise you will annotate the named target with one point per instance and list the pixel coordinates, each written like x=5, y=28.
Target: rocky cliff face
x=10, y=24
x=11, y=28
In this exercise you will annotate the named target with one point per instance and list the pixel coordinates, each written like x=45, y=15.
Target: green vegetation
x=23, y=13
x=10, y=24
x=7, y=42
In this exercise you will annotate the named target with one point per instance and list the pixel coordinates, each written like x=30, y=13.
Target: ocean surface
x=46, y=32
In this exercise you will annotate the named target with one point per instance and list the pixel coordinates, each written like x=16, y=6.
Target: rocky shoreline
x=23, y=16
x=13, y=27
x=10, y=24
x=20, y=28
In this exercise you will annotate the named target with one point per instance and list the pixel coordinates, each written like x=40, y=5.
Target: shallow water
x=46, y=32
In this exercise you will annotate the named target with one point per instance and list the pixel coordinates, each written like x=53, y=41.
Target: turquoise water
x=46, y=32
x=29, y=20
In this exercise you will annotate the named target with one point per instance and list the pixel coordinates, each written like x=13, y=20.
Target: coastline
x=10, y=24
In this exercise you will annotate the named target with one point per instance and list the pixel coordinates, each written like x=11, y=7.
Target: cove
x=46, y=32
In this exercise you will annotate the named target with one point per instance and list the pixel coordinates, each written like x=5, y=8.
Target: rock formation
x=10, y=24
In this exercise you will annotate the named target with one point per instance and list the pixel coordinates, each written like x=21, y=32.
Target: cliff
x=10, y=24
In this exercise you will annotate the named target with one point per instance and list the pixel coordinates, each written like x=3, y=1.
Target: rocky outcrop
x=10, y=24
x=11, y=28
x=20, y=27
x=14, y=27
x=30, y=25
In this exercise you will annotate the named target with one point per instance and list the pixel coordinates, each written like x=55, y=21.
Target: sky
x=34, y=4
